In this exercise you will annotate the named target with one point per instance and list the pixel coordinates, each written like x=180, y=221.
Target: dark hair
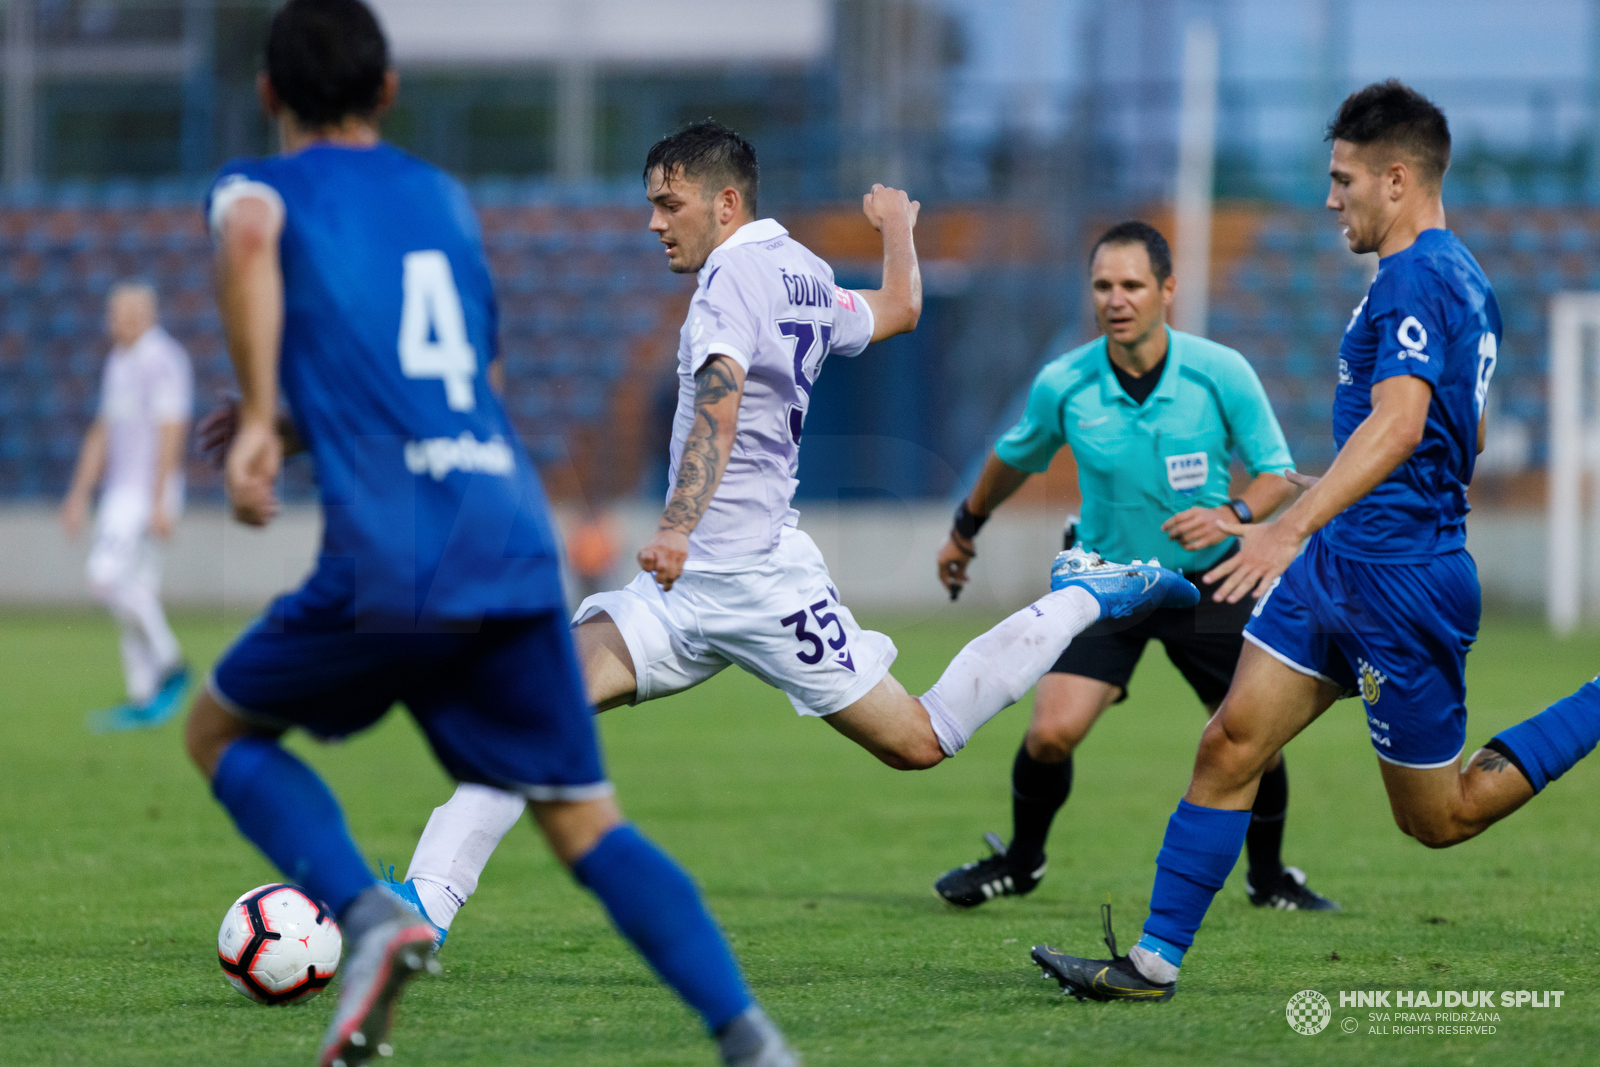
x=1394, y=114
x=326, y=59
x=1134, y=232
x=707, y=150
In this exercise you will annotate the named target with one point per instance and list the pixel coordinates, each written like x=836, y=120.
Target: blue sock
x=1546, y=746
x=284, y=809
x=657, y=907
x=1201, y=847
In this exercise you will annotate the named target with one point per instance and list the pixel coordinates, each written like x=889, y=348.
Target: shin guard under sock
x=656, y=906
x=1548, y=745
x=288, y=813
x=998, y=667
x=1200, y=848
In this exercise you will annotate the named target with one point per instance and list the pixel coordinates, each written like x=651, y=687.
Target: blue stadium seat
x=1527, y=238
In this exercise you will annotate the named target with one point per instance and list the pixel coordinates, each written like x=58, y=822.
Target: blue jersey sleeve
x=1410, y=322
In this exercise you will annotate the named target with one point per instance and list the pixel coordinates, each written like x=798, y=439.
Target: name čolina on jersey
x=806, y=291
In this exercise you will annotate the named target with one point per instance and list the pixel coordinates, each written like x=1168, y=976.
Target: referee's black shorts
x=1203, y=642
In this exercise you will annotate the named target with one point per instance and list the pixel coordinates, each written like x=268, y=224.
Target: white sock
x=997, y=668
x=1152, y=966
x=461, y=835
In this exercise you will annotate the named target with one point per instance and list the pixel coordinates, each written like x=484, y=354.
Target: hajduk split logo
x=1308, y=1012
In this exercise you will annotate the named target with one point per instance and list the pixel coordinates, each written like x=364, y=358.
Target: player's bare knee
x=1435, y=832
x=915, y=754
x=1225, y=756
x=1050, y=746
x=1435, y=837
x=925, y=754
x=574, y=827
x=206, y=733
x=210, y=729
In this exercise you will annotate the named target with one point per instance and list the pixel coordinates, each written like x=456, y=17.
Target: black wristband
x=1242, y=512
x=966, y=523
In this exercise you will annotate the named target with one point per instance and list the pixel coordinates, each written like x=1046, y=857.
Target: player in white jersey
x=133, y=452
x=729, y=578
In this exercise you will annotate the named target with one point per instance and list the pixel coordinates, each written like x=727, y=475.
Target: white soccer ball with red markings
x=278, y=946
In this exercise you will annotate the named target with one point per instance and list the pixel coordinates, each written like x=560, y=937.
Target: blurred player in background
x=133, y=453
x=355, y=275
x=1153, y=418
x=1384, y=599
x=729, y=578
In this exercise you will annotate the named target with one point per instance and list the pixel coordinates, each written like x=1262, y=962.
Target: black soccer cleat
x=981, y=880
x=1289, y=894
x=1113, y=979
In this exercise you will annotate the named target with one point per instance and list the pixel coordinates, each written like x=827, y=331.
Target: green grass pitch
x=118, y=866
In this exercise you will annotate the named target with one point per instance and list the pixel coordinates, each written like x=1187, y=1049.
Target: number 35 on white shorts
x=778, y=616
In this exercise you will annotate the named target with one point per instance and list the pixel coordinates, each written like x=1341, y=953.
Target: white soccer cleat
x=375, y=973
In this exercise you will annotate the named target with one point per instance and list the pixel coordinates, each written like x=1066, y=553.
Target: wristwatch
x=1242, y=511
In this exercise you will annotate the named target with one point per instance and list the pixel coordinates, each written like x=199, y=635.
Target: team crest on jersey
x=1372, y=681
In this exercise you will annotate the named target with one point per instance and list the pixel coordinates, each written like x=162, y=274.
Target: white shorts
x=123, y=551
x=780, y=619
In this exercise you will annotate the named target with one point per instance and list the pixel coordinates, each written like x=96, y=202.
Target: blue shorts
x=503, y=705
x=1396, y=633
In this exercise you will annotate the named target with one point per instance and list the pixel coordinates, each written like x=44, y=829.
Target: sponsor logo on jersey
x=1345, y=377
x=845, y=297
x=1414, y=338
x=439, y=456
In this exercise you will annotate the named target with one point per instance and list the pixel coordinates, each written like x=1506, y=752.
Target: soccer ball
x=278, y=946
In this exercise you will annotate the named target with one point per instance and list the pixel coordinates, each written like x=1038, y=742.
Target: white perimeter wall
x=881, y=556
x=665, y=32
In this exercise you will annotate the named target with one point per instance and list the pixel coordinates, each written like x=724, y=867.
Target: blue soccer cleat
x=159, y=709
x=116, y=720
x=168, y=700
x=406, y=893
x=1122, y=589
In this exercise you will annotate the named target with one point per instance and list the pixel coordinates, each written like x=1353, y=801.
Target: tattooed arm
x=718, y=388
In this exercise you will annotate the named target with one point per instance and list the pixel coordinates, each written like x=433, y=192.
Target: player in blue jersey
x=1384, y=600
x=354, y=276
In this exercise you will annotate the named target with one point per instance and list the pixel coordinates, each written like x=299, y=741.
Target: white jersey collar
x=750, y=233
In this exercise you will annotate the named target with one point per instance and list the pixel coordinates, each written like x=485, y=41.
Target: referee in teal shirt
x=1154, y=418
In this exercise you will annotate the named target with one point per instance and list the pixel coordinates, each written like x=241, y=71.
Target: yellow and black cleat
x=1113, y=979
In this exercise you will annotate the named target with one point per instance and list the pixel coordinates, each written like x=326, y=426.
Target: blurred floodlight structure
x=1197, y=158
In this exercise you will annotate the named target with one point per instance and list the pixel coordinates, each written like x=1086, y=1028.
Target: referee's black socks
x=1037, y=792
x=1263, y=843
